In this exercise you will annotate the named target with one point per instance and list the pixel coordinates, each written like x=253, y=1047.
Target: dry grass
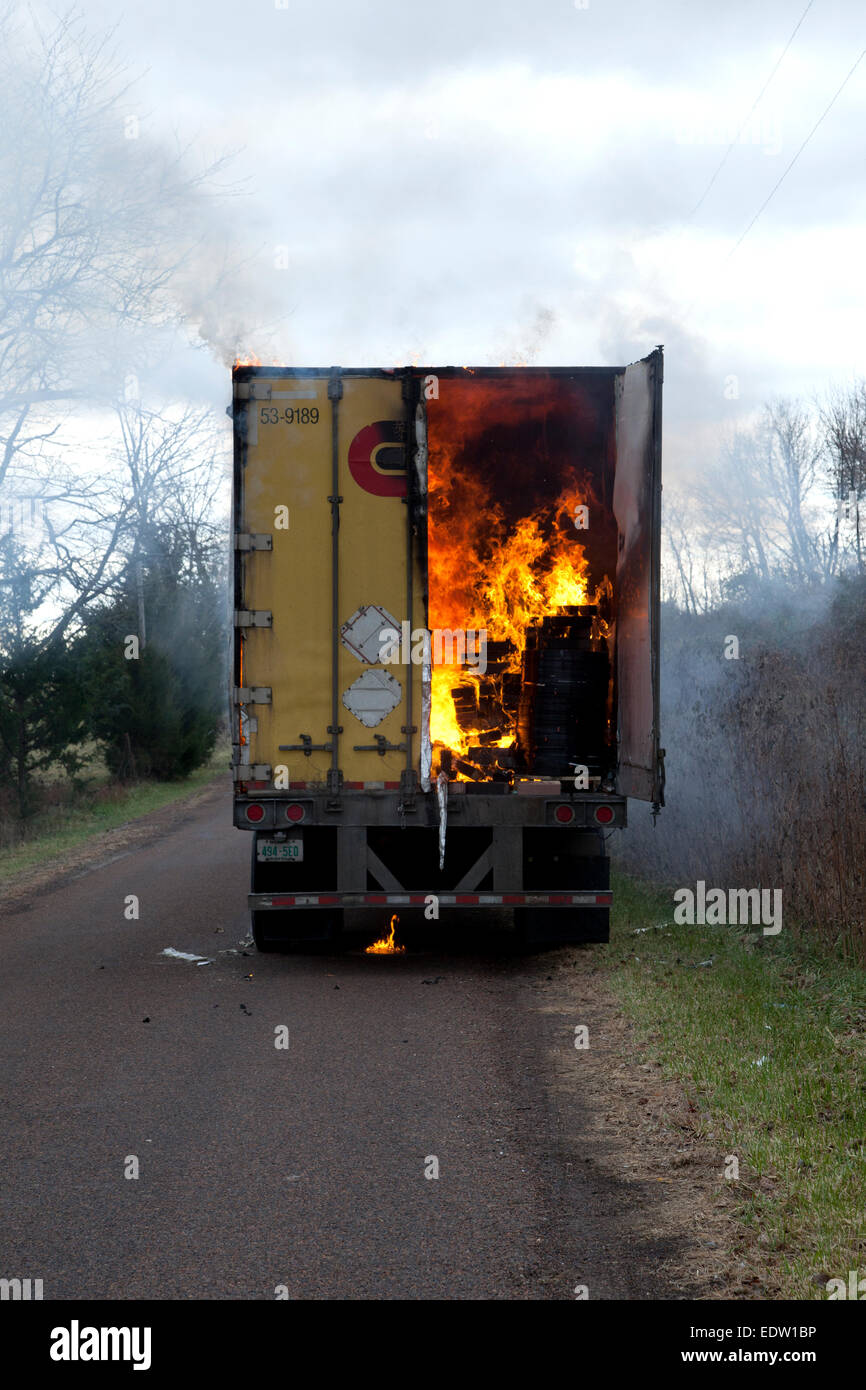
x=769, y=1042
x=766, y=761
x=73, y=812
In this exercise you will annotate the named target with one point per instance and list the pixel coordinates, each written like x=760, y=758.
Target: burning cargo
x=507, y=522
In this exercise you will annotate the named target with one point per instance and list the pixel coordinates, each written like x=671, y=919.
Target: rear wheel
x=570, y=861
x=258, y=923
x=558, y=926
x=299, y=929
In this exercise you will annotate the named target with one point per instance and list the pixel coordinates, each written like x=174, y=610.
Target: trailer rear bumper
x=264, y=902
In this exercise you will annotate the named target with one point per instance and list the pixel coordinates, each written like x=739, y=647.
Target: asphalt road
x=261, y=1167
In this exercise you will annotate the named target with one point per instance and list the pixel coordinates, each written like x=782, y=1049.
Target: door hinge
x=253, y=540
x=246, y=617
x=251, y=772
x=251, y=694
x=253, y=390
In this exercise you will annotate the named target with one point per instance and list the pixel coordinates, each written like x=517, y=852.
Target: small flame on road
x=387, y=946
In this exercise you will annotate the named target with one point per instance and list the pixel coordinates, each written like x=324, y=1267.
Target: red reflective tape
x=465, y=899
x=392, y=786
x=297, y=786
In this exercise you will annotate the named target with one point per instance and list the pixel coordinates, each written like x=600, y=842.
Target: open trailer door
x=637, y=509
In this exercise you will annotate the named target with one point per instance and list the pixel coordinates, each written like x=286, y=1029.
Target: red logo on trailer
x=377, y=459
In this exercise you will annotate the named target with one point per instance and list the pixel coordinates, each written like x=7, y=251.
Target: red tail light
x=604, y=814
x=295, y=812
x=564, y=814
x=255, y=813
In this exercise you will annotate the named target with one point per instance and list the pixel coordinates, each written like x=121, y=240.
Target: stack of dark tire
x=562, y=717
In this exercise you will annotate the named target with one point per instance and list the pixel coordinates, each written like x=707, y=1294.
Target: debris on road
x=186, y=955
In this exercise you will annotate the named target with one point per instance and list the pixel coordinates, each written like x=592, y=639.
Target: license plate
x=270, y=851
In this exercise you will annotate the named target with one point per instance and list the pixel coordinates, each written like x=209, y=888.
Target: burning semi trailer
x=464, y=561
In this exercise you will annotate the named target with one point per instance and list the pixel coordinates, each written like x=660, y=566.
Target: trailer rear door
x=637, y=508
x=325, y=549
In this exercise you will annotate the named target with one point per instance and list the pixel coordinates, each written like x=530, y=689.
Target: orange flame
x=488, y=570
x=249, y=359
x=387, y=946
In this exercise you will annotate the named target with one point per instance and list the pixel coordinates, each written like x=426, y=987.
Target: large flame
x=488, y=570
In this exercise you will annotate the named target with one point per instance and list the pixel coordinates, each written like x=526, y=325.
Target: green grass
x=104, y=806
x=797, y=1120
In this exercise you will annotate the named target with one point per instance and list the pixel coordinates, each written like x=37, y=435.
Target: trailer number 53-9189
x=298, y=415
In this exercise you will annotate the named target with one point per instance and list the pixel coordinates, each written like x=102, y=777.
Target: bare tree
x=735, y=501
x=100, y=229
x=793, y=453
x=98, y=225
x=683, y=542
x=843, y=423
x=159, y=483
x=96, y=218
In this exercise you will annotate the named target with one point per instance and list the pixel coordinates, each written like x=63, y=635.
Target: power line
x=785, y=172
x=724, y=158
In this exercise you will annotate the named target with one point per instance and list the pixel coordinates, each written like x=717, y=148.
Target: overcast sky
x=469, y=182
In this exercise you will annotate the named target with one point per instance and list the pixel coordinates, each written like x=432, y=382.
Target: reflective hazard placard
x=372, y=697
x=361, y=634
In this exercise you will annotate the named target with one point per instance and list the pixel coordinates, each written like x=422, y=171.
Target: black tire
x=263, y=943
x=307, y=930
x=542, y=927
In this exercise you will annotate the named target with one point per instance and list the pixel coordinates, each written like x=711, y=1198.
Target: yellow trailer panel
x=286, y=425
